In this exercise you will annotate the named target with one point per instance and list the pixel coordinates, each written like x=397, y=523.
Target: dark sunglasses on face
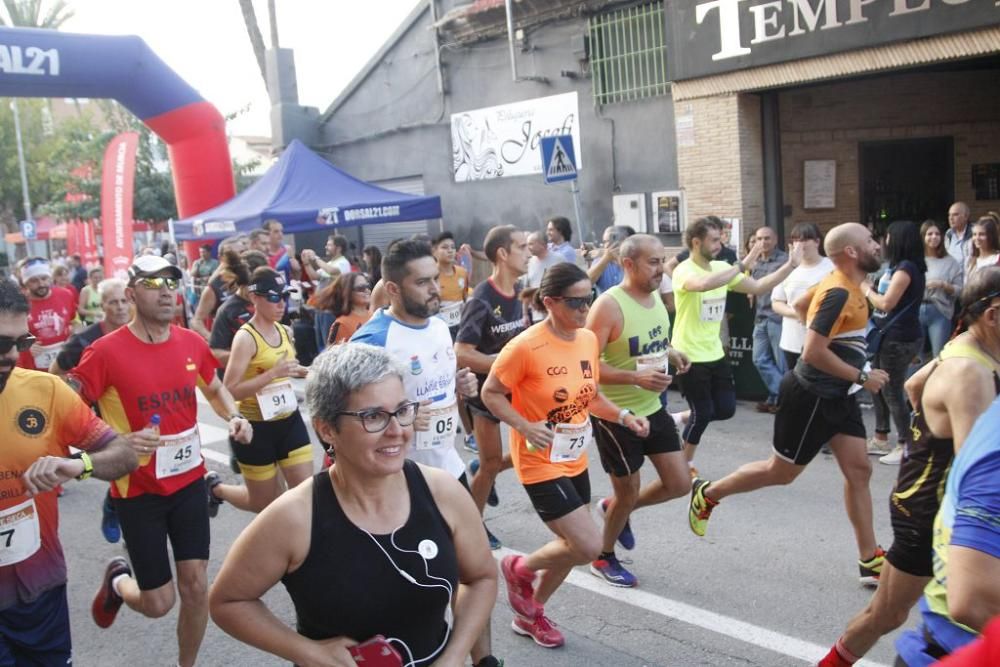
x=22, y=343
x=271, y=297
x=157, y=283
x=576, y=302
x=362, y=288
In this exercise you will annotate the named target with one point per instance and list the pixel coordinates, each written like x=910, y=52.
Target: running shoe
x=626, y=538
x=493, y=499
x=700, y=508
x=470, y=444
x=613, y=572
x=878, y=447
x=541, y=629
x=109, y=521
x=489, y=661
x=495, y=542
x=212, y=480
x=107, y=602
x=520, y=592
x=893, y=458
x=872, y=569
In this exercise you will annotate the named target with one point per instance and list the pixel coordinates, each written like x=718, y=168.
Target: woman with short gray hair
x=377, y=550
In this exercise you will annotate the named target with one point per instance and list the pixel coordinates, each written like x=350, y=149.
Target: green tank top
x=644, y=341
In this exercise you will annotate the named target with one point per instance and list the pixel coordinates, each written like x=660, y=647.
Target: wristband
x=233, y=416
x=623, y=414
x=88, y=465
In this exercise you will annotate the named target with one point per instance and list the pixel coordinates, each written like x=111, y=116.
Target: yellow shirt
x=263, y=360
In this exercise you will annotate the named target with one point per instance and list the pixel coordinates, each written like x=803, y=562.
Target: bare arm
x=782, y=308
x=223, y=404
x=973, y=586
x=669, y=267
x=714, y=280
x=817, y=353
x=753, y=286
x=467, y=355
x=477, y=571
x=113, y=460
x=801, y=305
x=243, y=350
x=897, y=286
x=206, y=304
x=597, y=268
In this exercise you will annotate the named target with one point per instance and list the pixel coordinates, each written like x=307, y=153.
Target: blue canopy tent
x=304, y=193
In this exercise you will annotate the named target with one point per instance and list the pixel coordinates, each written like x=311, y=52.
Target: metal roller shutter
x=381, y=235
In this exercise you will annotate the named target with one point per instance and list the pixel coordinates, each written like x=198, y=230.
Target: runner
x=700, y=288
x=143, y=378
x=551, y=373
x=632, y=329
x=216, y=291
x=964, y=593
x=89, y=305
x=410, y=332
x=53, y=309
x=258, y=375
x=941, y=422
x=492, y=316
x=42, y=418
x=816, y=401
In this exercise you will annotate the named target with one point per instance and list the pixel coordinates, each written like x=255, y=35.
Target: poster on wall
x=502, y=141
x=668, y=207
x=819, y=184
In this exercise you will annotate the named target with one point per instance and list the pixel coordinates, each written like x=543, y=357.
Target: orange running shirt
x=550, y=379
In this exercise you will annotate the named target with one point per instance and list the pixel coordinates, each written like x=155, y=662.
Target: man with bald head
x=958, y=238
x=541, y=259
x=817, y=402
x=632, y=328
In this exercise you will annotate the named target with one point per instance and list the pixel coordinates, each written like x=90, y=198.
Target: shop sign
x=713, y=36
x=501, y=141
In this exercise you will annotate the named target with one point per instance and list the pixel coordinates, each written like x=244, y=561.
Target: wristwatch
x=88, y=465
x=862, y=377
x=624, y=413
x=233, y=416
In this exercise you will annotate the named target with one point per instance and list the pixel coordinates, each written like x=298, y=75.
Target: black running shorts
x=622, y=451
x=148, y=520
x=805, y=422
x=555, y=498
x=272, y=441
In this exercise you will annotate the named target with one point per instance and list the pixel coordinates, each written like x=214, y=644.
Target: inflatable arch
x=46, y=63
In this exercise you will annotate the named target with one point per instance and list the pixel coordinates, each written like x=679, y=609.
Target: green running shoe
x=700, y=508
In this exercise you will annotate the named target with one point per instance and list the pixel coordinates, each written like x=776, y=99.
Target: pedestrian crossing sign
x=558, y=158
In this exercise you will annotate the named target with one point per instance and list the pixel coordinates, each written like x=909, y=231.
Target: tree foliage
x=35, y=13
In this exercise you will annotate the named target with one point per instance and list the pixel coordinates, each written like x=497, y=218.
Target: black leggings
x=711, y=395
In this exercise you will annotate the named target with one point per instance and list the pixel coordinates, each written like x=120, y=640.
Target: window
x=628, y=54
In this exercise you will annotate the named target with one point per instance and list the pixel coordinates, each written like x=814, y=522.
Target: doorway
x=910, y=179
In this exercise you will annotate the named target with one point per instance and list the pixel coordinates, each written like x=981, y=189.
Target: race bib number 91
x=277, y=400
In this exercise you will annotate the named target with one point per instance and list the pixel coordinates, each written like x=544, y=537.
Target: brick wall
x=829, y=121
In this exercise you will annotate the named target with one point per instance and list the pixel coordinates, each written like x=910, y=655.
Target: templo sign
x=714, y=36
x=501, y=141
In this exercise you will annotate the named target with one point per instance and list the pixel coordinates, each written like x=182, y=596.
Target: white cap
x=151, y=265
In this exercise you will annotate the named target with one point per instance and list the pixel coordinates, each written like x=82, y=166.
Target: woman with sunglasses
x=261, y=365
x=347, y=299
x=376, y=545
x=551, y=372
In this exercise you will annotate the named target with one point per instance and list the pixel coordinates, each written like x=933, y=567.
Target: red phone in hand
x=376, y=652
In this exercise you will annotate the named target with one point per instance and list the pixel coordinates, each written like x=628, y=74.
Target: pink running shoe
x=520, y=593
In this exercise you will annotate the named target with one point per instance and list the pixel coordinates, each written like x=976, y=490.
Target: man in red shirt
x=52, y=311
x=143, y=378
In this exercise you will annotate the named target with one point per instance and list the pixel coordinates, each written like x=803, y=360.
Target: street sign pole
x=574, y=187
x=559, y=164
x=20, y=159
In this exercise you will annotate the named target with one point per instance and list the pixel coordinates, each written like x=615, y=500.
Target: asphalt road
x=773, y=583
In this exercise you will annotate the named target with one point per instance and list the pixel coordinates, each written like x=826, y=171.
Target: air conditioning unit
x=630, y=210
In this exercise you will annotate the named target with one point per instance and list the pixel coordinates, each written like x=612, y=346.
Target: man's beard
x=421, y=309
x=870, y=262
x=41, y=292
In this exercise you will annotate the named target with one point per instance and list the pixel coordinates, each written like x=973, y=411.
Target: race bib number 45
x=178, y=453
x=20, y=536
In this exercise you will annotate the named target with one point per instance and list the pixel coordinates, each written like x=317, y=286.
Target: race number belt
x=712, y=310
x=656, y=361
x=443, y=426
x=570, y=442
x=451, y=313
x=20, y=536
x=277, y=399
x=178, y=453
x=46, y=355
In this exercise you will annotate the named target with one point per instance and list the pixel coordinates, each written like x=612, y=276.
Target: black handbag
x=874, y=337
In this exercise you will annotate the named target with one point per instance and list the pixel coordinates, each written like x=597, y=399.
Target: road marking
x=702, y=618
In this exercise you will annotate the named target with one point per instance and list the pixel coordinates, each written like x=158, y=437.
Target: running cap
x=271, y=284
x=147, y=266
x=35, y=268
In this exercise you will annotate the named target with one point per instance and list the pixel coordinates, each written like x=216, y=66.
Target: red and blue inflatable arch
x=46, y=63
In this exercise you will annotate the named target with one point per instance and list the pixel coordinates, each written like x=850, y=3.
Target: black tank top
x=924, y=470
x=347, y=585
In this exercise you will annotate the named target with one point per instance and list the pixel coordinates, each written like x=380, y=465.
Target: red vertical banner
x=73, y=233
x=117, y=183
x=88, y=243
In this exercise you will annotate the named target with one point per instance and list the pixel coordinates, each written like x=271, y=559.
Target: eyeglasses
x=576, y=302
x=22, y=343
x=35, y=260
x=158, y=282
x=374, y=420
x=362, y=288
x=271, y=297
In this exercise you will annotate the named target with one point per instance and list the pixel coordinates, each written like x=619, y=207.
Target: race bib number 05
x=712, y=310
x=444, y=425
x=277, y=400
x=570, y=442
x=20, y=536
x=178, y=453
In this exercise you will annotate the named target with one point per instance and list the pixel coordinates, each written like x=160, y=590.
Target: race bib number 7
x=20, y=536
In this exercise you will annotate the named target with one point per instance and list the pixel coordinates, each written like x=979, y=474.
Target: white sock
x=116, y=581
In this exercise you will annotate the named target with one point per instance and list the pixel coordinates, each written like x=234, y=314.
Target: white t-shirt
x=798, y=282
x=429, y=355
x=666, y=285
x=536, y=269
